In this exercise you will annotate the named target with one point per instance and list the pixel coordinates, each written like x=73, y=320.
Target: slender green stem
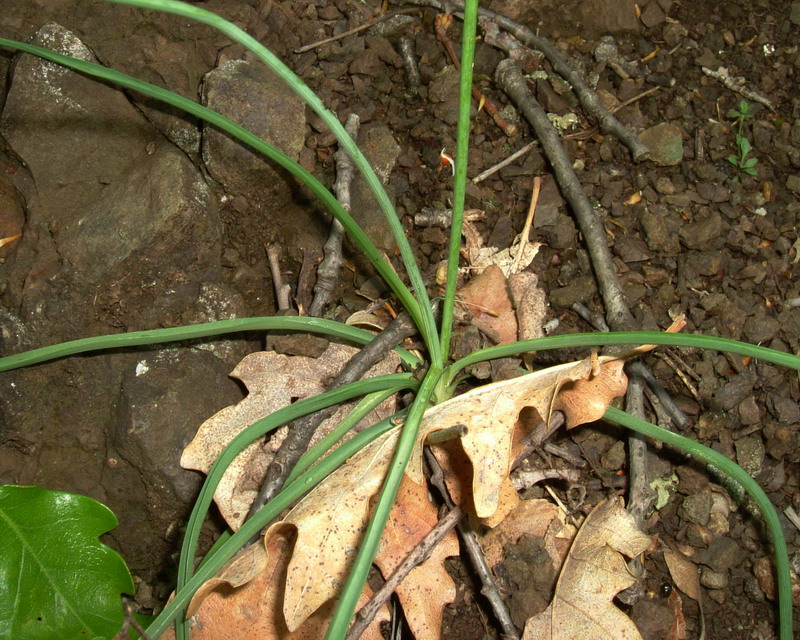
x=422, y=311
x=711, y=457
x=191, y=332
x=212, y=117
x=394, y=382
x=266, y=514
x=369, y=547
x=626, y=337
x=460, y=186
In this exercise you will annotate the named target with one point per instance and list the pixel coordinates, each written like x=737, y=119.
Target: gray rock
x=609, y=16
x=737, y=389
x=631, y=249
x=665, y=144
x=652, y=16
x=251, y=95
x=714, y=579
x=581, y=289
x=702, y=233
x=793, y=184
x=443, y=92
x=750, y=453
x=785, y=410
x=660, y=230
x=749, y=411
x=96, y=227
x=760, y=328
x=696, y=508
x=381, y=151
x=673, y=33
x=794, y=134
x=794, y=13
x=178, y=225
x=614, y=458
x=156, y=421
x=722, y=554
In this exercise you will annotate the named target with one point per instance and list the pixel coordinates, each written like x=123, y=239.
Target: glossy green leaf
x=57, y=580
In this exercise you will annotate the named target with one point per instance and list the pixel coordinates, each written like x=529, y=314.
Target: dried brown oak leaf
x=330, y=522
x=244, y=601
x=486, y=298
x=424, y=593
x=593, y=573
x=539, y=518
x=273, y=381
x=582, y=390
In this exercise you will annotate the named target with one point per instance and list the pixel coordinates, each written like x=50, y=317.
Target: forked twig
x=282, y=289
x=526, y=229
x=473, y=549
x=586, y=96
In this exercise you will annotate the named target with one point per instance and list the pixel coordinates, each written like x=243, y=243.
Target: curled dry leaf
x=684, y=572
x=486, y=298
x=593, y=573
x=428, y=588
x=330, y=522
x=244, y=601
x=273, y=381
x=490, y=414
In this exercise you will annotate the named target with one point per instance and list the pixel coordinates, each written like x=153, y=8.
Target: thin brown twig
x=383, y=18
x=473, y=549
x=130, y=622
x=577, y=135
x=417, y=556
x=586, y=96
x=282, y=289
x=328, y=270
x=679, y=372
x=509, y=128
x=526, y=229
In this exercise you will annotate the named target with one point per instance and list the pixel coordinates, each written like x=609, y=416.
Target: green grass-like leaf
x=57, y=580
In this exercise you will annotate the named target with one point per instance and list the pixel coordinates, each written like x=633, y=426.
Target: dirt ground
x=134, y=217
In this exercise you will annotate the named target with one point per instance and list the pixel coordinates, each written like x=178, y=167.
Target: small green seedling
x=741, y=160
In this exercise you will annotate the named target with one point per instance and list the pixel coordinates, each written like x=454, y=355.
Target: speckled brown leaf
x=251, y=610
x=486, y=298
x=539, y=518
x=490, y=414
x=330, y=522
x=593, y=573
x=273, y=381
x=428, y=588
x=684, y=572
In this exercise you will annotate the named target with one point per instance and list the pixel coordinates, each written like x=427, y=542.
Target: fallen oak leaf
x=330, y=522
x=244, y=601
x=491, y=412
x=593, y=573
x=426, y=590
x=273, y=381
x=486, y=298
